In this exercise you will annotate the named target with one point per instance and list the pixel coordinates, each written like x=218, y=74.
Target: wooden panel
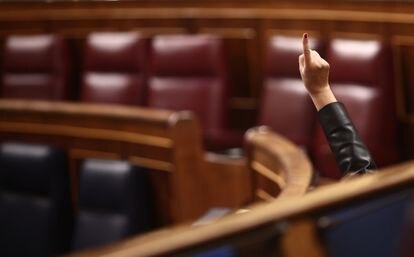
x=234, y=174
x=240, y=47
x=404, y=65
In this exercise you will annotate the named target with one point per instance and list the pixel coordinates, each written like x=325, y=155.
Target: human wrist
x=322, y=97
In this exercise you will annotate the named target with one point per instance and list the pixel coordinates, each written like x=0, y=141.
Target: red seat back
x=114, y=68
x=35, y=67
x=188, y=73
x=285, y=104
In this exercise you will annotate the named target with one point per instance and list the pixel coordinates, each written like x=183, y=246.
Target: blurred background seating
x=189, y=73
x=114, y=68
x=35, y=67
x=114, y=202
x=35, y=205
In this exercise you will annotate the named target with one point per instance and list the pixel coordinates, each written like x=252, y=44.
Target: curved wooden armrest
x=279, y=168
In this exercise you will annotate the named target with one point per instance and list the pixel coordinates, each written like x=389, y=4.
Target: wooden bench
x=168, y=143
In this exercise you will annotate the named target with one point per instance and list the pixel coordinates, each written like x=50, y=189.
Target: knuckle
x=320, y=66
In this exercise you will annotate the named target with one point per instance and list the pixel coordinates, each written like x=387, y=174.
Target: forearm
x=322, y=97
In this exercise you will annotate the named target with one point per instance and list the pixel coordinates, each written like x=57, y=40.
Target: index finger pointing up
x=306, y=49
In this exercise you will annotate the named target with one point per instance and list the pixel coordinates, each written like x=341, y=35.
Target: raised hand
x=315, y=75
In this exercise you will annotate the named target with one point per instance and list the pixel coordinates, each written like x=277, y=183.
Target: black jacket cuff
x=332, y=116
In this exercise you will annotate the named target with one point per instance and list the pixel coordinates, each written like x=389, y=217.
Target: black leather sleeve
x=351, y=154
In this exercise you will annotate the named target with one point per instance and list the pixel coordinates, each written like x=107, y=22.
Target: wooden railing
x=167, y=143
x=288, y=226
x=187, y=180
x=280, y=168
x=269, y=155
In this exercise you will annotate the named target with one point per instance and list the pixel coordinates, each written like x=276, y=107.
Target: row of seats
x=188, y=72
x=36, y=213
x=170, y=72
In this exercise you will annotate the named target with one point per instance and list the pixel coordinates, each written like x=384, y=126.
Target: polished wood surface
x=297, y=211
x=229, y=180
x=280, y=168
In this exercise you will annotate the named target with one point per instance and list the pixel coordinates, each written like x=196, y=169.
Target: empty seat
x=35, y=67
x=113, y=69
x=35, y=204
x=361, y=78
x=114, y=202
x=285, y=105
x=188, y=72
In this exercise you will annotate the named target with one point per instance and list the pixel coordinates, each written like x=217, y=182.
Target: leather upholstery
x=35, y=204
x=114, y=68
x=360, y=78
x=114, y=202
x=282, y=53
x=35, y=67
x=285, y=104
x=188, y=73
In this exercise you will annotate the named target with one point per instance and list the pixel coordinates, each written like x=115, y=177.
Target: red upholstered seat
x=285, y=104
x=35, y=67
x=188, y=73
x=114, y=68
x=361, y=78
